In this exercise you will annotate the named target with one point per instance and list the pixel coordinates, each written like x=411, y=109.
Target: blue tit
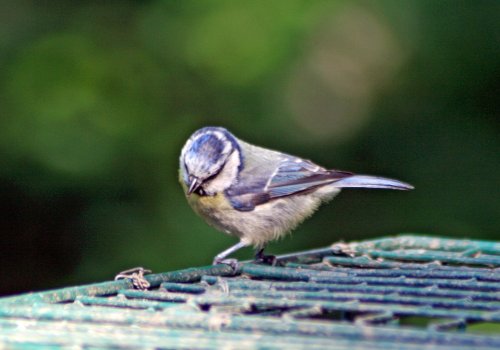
x=257, y=194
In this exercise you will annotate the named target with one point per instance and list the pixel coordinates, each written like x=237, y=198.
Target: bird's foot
x=266, y=259
x=342, y=248
x=234, y=263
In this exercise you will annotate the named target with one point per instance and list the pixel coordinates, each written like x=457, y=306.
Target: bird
x=257, y=194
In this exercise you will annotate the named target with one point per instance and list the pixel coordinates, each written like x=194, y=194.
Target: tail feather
x=366, y=181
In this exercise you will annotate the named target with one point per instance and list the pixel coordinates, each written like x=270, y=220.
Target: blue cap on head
x=205, y=154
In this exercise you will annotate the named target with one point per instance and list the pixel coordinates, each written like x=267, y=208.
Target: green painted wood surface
x=389, y=293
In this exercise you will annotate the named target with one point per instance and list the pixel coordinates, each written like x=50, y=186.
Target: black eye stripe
x=211, y=177
x=200, y=192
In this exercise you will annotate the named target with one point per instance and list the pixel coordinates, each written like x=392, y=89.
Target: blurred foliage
x=97, y=99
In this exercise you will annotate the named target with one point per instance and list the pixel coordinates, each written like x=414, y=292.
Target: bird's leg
x=221, y=257
x=266, y=259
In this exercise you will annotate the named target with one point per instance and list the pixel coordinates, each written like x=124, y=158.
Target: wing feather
x=297, y=175
x=292, y=176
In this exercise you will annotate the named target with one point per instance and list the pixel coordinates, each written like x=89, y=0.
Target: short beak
x=193, y=186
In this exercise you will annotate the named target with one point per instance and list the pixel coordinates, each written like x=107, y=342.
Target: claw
x=342, y=248
x=260, y=257
x=266, y=259
x=231, y=262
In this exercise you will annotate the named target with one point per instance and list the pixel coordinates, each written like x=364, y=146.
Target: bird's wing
x=292, y=176
x=298, y=175
x=295, y=176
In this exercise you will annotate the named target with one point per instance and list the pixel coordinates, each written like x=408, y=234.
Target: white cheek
x=226, y=177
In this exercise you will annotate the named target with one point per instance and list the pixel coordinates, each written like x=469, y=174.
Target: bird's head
x=210, y=161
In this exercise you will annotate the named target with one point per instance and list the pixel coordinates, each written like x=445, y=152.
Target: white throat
x=227, y=176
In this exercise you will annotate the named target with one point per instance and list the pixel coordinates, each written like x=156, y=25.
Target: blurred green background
x=97, y=99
